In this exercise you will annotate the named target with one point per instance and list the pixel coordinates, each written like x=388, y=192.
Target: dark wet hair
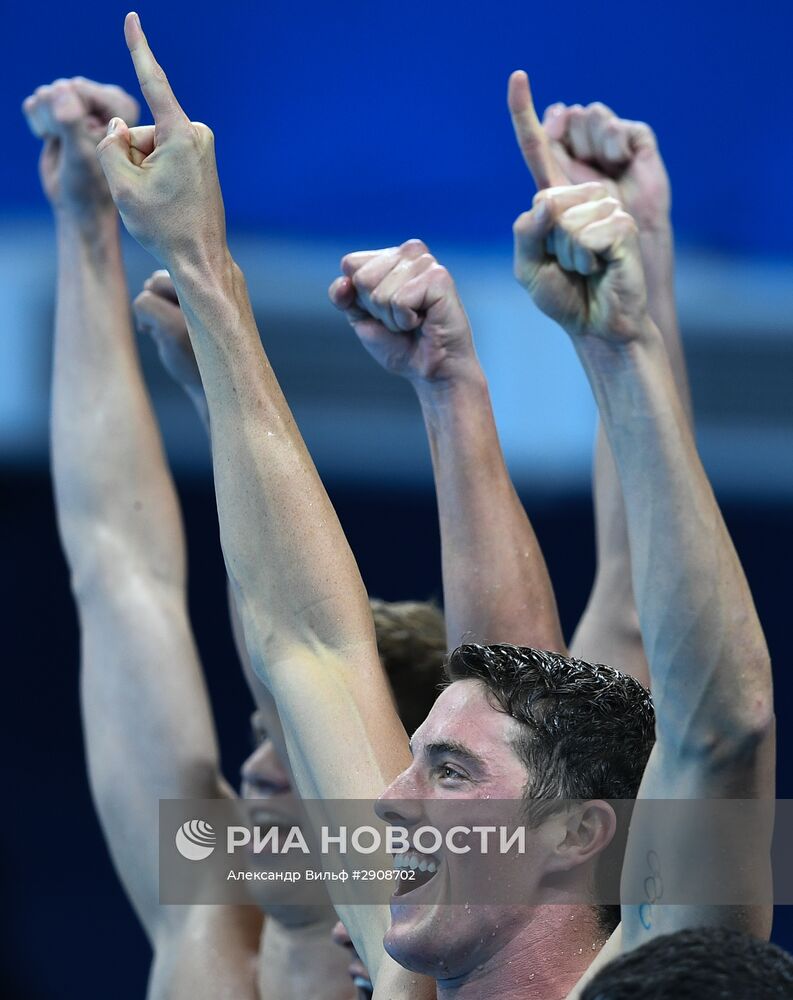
x=586, y=730
x=702, y=963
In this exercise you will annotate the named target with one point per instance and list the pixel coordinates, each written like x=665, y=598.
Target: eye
x=445, y=772
x=258, y=736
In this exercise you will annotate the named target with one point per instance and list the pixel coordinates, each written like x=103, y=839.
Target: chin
x=431, y=940
x=413, y=947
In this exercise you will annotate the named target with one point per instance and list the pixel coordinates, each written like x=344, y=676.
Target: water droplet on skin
x=531, y=976
x=594, y=946
x=580, y=951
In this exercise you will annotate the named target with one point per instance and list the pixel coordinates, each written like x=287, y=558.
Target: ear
x=585, y=833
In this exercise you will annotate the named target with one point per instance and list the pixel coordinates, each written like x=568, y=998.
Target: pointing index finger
x=162, y=102
x=531, y=136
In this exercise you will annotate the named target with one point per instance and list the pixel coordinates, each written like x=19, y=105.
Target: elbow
x=757, y=725
x=732, y=740
x=753, y=719
x=727, y=729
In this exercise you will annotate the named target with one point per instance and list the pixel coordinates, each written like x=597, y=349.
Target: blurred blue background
x=343, y=126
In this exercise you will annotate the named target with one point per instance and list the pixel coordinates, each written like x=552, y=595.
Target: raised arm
x=303, y=606
x=593, y=144
x=405, y=310
x=577, y=252
x=158, y=313
x=148, y=729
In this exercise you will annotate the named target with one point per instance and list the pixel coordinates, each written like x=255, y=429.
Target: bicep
x=147, y=722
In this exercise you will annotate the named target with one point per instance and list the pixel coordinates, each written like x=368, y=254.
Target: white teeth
x=412, y=862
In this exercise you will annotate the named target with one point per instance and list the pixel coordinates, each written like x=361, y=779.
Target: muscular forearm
x=495, y=583
x=609, y=630
x=265, y=479
x=707, y=656
x=297, y=586
x=114, y=495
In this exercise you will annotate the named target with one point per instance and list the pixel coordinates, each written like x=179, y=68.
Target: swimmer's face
x=463, y=755
x=267, y=779
x=357, y=970
x=271, y=802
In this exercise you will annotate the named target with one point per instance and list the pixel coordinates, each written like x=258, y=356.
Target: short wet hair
x=411, y=641
x=585, y=729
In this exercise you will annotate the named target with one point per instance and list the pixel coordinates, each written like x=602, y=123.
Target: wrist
x=466, y=382
x=602, y=355
x=87, y=225
x=208, y=272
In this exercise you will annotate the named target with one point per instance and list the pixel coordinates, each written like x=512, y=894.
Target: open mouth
x=269, y=823
x=419, y=868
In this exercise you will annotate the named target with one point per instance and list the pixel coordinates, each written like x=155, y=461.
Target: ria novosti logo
x=195, y=840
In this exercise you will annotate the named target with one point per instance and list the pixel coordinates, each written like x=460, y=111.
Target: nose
x=340, y=936
x=400, y=805
x=265, y=771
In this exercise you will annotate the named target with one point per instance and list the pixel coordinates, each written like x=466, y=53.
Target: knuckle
x=359, y=282
x=204, y=132
x=645, y=132
x=625, y=222
x=522, y=223
x=141, y=302
x=425, y=258
x=414, y=245
x=398, y=298
x=597, y=189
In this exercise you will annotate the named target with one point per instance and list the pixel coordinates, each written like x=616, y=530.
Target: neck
x=544, y=961
x=301, y=960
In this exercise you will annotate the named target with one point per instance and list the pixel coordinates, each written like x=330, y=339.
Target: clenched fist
x=405, y=310
x=577, y=254
x=163, y=177
x=71, y=116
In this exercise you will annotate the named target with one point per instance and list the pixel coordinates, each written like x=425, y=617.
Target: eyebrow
x=455, y=749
